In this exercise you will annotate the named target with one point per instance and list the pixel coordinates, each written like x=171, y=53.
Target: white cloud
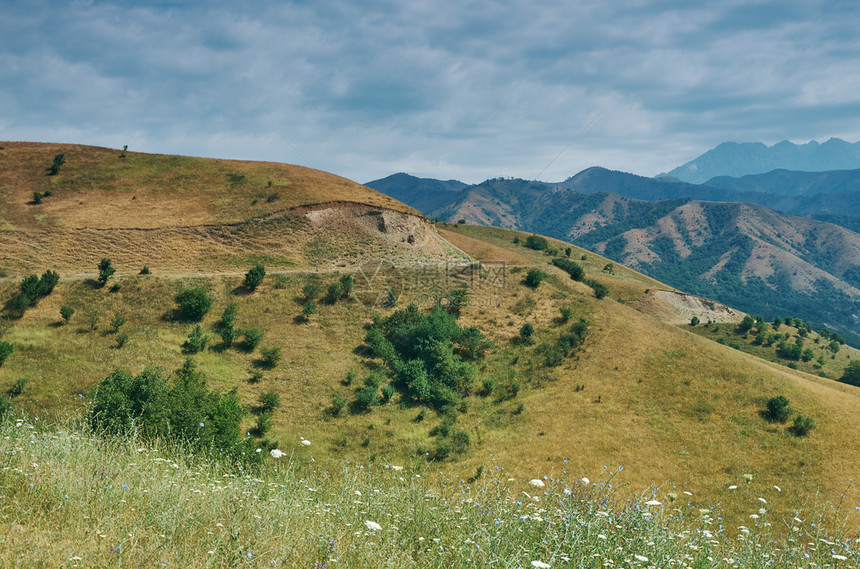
x=437, y=89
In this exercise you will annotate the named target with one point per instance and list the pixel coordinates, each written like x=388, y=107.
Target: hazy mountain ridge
x=424, y=194
x=746, y=255
x=740, y=159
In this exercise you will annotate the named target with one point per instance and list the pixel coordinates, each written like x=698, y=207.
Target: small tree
x=694, y=321
x=6, y=350
x=778, y=409
x=851, y=375
x=335, y=292
x=347, y=284
x=37, y=197
x=194, y=303
x=536, y=242
x=527, y=333
x=269, y=401
x=66, y=313
x=117, y=321
x=309, y=308
x=311, y=291
x=121, y=339
x=59, y=160
x=534, y=277
x=106, y=270
x=254, y=277
x=251, y=338
x=270, y=356
x=802, y=425
x=196, y=341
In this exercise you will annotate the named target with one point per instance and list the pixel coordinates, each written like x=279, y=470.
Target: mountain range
x=783, y=242
x=740, y=159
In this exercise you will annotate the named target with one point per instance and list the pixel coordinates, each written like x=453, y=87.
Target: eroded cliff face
x=393, y=235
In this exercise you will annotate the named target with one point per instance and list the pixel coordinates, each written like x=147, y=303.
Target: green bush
x=566, y=313
x=106, y=270
x=6, y=350
x=311, y=291
x=570, y=267
x=270, y=356
x=18, y=387
x=66, y=313
x=778, y=409
x=347, y=284
x=251, y=338
x=534, y=277
x=536, y=242
x=335, y=292
x=269, y=401
x=387, y=393
x=117, y=321
x=308, y=309
x=851, y=374
x=196, y=341
x=183, y=410
x=145, y=270
x=802, y=425
x=32, y=289
x=600, y=291
x=338, y=403
x=254, y=277
x=121, y=339
x=194, y=303
x=365, y=398
x=527, y=332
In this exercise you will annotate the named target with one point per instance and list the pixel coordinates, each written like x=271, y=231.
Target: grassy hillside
x=669, y=407
x=71, y=500
x=569, y=382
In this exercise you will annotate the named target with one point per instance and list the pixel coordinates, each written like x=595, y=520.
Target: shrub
x=254, y=277
x=117, y=321
x=851, y=375
x=270, y=356
x=196, y=341
x=37, y=197
x=5, y=407
x=338, y=403
x=778, y=409
x=184, y=409
x=269, y=401
x=570, y=267
x=600, y=291
x=387, y=393
x=121, y=340
x=264, y=423
x=347, y=284
x=66, y=313
x=106, y=270
x=536, y=242
x=59, y=160
x=565, y=314
x=488, y=384
x=145, y=270
x=311, y=291
x=309, y=308
x=802, y=425
x=32, y=289
x=251, y=338
x=335, y=292
x=18, y=387
x=366, y=398
x=534, y=277
x=194, y=303
x=527, y=334
x=694, y=321
x=6, y=350
x=115, y=287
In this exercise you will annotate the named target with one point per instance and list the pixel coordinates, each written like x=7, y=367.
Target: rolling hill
x=636, y=390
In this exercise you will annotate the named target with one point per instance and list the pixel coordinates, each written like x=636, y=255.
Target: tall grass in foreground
x=68, y=499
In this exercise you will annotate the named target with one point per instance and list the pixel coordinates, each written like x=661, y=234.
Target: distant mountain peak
x=738, y=159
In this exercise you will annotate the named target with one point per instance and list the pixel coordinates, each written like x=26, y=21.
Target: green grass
x=68, y=499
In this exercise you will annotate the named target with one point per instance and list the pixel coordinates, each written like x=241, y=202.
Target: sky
x=462, y=89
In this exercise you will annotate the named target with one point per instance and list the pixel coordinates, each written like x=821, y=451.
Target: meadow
x=70, y=499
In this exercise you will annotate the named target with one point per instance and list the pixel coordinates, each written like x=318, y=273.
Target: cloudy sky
x=446, y=89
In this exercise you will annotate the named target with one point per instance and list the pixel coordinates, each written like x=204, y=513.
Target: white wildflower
x=762, y=500
x=276, y=453
x=396, y=468
x=568, y=491
x=540, y=564
x=839, y=557
x=585, y=480
x=747, y=478
x=372, y=525
x=306, y=442
x=641, y=558
x=733, y=487
x=777, y=488
x=537, y=482
x=653, y=503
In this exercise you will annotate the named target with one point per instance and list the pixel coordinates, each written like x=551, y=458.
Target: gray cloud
x=437, y=89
